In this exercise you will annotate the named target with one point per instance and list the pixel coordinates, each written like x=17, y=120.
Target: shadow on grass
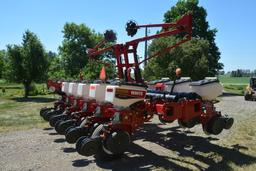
x=47, y=129
x=60, y=140
x=185, y=145
x=81, y=163
x=69, y=150
x=53, y=133
x=34, y=99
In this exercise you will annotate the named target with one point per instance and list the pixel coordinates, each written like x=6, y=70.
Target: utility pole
x=146, y=47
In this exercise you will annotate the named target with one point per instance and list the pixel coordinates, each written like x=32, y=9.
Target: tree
x=56, y=69
x=28, y=62
x=77, y=38
x=197, y=58
x=191, y=57
x=2, y=62
x=93, y=68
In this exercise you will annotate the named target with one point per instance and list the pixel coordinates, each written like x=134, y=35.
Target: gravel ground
x=155, y=146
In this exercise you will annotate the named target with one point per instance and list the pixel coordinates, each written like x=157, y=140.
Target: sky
x=235, y=21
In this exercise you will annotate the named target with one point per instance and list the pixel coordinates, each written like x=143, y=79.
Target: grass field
x=234, y=85
x=18, y=113
x=234, y=80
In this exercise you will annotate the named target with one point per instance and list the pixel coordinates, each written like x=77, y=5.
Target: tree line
x=30, y=62
x=242, y=73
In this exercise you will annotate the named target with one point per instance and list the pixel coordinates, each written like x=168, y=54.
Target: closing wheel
x=53, y=120
x=69, y=128
x=62, y=126
x=228, y=123
x=205, y=129
x=215, y=125
x=102, y=153
x=74, y=134
x=89, y=146
x=47, y=115
x=57, y=123
x=44, y=110
x=162, y=120
x=114, y=146
x=118, y=142
x=50, y=114
x=187, y=124
x=79, y=143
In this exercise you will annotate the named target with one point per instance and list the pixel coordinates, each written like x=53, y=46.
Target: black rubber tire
x=54, y=119
x=102, y=153
x=215, y=125
x=189, y=124
x=163, y=121
x=47, y=115
x=205, y=129
x=79, y=143
x=74, y=134
x=50, y=114
x=89, y=146
x=44, y=110
x=118, y=142
x=228, y=123
x=62, y=126
x=57, y=123
x=69, y=128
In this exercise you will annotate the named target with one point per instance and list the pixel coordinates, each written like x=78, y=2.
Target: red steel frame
x=121, y=51
x=129, y=119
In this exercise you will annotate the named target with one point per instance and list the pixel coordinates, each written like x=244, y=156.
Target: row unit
x=125, y=95
x=122, y=96
x=208, y=89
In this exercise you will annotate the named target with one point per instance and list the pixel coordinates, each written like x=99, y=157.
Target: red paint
x=110, y=90
x=123, y=51
x=92, y=87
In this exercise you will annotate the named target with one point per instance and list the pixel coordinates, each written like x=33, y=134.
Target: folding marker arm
x=121, y=51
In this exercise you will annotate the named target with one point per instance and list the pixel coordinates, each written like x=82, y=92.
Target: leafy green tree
x=197, y=58
x=77, y=38
x=56, y=69
x=191, y=57
x=28, y=62
x=2, y=62
x=93, y=68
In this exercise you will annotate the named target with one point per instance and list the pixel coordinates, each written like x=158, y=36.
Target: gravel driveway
x=155, y=146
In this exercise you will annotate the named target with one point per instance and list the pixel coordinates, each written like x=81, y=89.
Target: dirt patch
x=155, y=146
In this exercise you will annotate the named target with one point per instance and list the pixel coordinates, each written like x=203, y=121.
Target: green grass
x=235, y=85
x=13, y=89
x=224, y=79
x=4, y=83
x=17, y=113
x=235, y=89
